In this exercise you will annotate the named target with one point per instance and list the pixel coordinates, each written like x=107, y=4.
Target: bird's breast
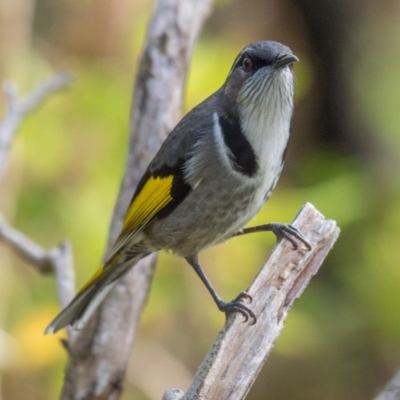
x=223, y=199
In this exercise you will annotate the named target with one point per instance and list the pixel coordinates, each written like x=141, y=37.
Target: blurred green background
x=342, y=338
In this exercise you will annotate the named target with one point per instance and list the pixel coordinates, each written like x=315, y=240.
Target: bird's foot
x=289, y=232
x=237, y=305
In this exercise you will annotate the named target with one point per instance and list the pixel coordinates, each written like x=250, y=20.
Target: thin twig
x=57, y=260
x=17, y=108
x=240, y=349
x=26, y=249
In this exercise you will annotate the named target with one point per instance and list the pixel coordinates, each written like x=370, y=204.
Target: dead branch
x=392, y=390
x=18, y=108
x=99, y=354
x=57, y=260
x=240, y=349
x=26, y=249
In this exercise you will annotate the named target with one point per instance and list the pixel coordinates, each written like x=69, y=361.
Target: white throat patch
x=265, y=116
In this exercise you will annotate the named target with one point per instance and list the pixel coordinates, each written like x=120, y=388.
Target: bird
x=213, y=173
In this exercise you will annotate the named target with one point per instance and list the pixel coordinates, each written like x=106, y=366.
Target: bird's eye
x=247, y=64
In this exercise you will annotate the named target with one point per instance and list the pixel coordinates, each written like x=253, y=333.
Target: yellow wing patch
x=152, y=198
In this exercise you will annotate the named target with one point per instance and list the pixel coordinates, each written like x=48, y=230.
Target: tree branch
x=18, y=108
x=99, y=354
x=240, y=349
x=392, y=390
x=57, y=260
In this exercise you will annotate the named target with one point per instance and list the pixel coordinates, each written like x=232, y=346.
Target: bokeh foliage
x=341, y=339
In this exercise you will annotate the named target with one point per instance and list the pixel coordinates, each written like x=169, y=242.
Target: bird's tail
x=93, y=293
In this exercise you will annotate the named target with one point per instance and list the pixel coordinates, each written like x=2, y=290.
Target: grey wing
x=178, y=146
x=171, y=160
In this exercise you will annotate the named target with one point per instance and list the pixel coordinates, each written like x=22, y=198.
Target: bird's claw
x=236, y=305
x=244, y=296
x=288, y=231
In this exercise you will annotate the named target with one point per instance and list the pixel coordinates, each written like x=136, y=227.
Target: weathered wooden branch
x=240, y=349
x=57, y=260
x=99, y=355
x=392, y=390
x=18, y=108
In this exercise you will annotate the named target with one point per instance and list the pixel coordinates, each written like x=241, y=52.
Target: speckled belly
x=209, y=214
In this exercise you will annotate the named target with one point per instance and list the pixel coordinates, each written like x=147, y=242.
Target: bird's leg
x=286, y=231
x=235, y=305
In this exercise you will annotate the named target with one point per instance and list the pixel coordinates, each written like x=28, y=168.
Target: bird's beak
x=284, y=59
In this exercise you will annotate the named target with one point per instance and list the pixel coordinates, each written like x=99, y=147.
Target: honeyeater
x=211, y=176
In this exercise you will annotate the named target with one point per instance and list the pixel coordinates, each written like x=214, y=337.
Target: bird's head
x=262, y=73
